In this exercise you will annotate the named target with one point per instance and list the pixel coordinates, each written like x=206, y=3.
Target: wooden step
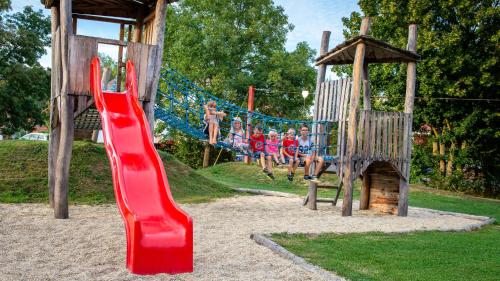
x=324, y=200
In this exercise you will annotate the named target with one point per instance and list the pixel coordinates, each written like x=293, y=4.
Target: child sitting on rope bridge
x=236, y=135
x=272, y=146
x=290, y=152
x=309, y=154
x=258, y=144
x=212, y=117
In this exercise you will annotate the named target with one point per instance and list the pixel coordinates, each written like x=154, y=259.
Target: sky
x=310, y=18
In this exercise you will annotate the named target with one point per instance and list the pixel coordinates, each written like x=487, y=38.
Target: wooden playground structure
x=373, y=145
x=142, y=28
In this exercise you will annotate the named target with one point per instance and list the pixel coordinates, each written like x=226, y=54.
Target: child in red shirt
x=290, y=152
x=258, y=146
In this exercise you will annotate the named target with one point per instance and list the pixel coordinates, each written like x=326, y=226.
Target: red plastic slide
x=159, y=234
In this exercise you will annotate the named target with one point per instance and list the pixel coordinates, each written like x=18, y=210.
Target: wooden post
x=366, y=88
x=320, y=78
x=251, y=93
x=106, y=75
x=312, y=195
x=352, y=125
x=206, y=156
x=365, y=193
x=54, y=92
x=411, y=77
x=75, y=24
x=158, y=36
x=67, y=122
x=120, y=60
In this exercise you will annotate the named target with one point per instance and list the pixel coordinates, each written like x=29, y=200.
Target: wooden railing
x=383, y=136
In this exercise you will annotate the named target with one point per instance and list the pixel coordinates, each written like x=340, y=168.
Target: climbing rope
x=180, y=105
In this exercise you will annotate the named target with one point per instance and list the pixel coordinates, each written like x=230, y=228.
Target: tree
x=229, y=45
x=24, y=83
x=458, y=42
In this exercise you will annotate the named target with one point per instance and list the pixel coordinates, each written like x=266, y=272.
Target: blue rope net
x=180, y=105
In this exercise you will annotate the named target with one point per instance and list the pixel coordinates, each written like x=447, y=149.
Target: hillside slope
x=23, y=175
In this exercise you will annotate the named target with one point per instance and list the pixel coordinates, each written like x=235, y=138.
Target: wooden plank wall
x=383, y=183
x=330, y=106
x=144, y=57
x=381, y=137
x=81, y=51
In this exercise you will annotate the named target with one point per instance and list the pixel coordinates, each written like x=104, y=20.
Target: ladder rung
x=328, y=186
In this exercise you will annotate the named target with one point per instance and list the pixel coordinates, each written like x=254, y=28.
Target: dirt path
x=91, y=244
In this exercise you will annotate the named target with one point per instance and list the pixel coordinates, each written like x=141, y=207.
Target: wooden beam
x=55, y=88
x=366, y=87
x=120, y=60
x=411, y=77
x=365, y=29
x=67, y=122
x=75, y=24
x=325, y=40
x=365, y=192
x=348, y=179
x=106, y=41
x=158, y=38
x=312, y=195
x=104, y=19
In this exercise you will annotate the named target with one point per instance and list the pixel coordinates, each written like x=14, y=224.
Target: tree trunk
x=435, y=147
x=442, y=163
x=451, y=157
x=206, y=156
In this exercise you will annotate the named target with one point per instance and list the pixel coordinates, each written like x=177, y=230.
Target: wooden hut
x=373, y=145
x=142, y=26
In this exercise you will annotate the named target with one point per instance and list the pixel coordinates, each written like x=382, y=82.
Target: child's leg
x=275, y=158
x=319, y=165
x=210, y=132
x=216, y=132
x=296, y=163
x=262, y=160
x=290, y=166
x=307, y=166
x=269, y=164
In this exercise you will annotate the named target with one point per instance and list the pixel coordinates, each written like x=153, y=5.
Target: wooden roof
x=111, y=8
x=377, y=51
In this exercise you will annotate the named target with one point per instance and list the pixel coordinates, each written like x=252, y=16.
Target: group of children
x=289, y=152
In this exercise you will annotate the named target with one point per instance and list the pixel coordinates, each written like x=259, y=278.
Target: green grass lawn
x=23, y=177
x=251, y=176
x=415, y=256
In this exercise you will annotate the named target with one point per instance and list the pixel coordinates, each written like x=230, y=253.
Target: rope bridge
x=180, y=104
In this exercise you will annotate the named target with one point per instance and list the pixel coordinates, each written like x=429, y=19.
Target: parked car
x=35, y=136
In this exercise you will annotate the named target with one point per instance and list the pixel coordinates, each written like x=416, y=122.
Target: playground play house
x=373, y=145
x=72, y=104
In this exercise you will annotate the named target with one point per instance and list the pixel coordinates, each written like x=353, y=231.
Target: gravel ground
x=91, y=244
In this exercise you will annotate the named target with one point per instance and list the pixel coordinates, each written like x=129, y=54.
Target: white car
x=35, y=136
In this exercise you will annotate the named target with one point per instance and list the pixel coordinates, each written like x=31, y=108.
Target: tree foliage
x=24, y=83
x=458, y=42
x=228, y=45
